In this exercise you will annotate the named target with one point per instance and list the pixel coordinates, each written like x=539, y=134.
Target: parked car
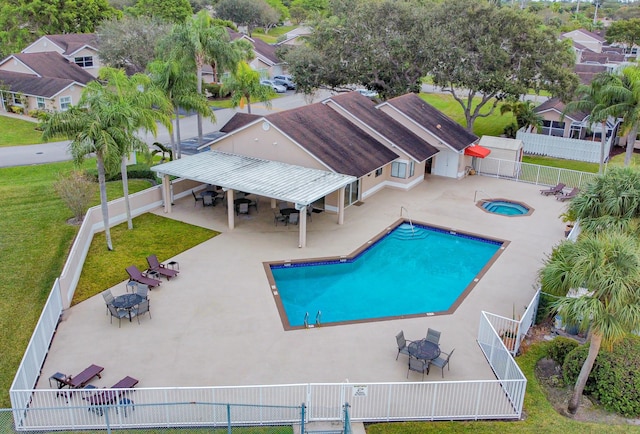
x=368, y=93
x=284, y=80
x=274, y=86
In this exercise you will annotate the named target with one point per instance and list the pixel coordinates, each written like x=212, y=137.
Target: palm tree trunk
x=603, y=140
x=631, y=142
x=199, y=84
x=102, y=182
x=594, y=349
x=125, y=190
x=172, y=139
x=177, y=154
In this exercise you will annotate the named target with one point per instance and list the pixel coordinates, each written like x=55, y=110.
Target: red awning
x=477, y=151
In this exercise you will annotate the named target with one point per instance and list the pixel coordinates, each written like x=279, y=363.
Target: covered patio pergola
x=273, y=179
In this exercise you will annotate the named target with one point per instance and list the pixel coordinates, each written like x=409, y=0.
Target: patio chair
x=433, y=336
x=441, y=362
x=254, y=203
x=197, y=199
x=155, y=265
x=293, y=218
x=402, y=344
x=553, y=190
x=418, y=366
x=243, y=208
x=142, y=291
x=277, y=217
x=207, y=200
x=566, y=196
x=282, y=205
x=108, y=298
x=142, y=308
x=117, y=313
x=138, y=276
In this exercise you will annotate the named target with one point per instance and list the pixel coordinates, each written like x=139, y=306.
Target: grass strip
x=18, y=132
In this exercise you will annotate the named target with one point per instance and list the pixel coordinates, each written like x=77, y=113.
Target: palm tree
x=199, y=42
x=180, y=87
x=524, y=112
x=607, y=266
x=626, y=93
x=244, y=85
x=593, y=99
x=109, y=113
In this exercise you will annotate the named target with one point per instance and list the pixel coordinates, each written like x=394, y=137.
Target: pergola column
x=341, y=206
x=166, y=193
x=302, y=222
x=230, y=209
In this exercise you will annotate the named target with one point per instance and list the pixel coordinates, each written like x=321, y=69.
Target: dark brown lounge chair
x=566, y=196
x=140, y=277
x=110, y=396
x=81, y=380
x=553, y=190
x=155, y=265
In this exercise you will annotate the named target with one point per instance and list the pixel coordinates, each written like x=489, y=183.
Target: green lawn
x=273, y=35
x=564, y=164
x=15, y=132
x=492, y=125
x=34, y=243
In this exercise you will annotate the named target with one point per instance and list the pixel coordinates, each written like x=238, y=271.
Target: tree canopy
x=249, y=13
x=24, y=21
x=471, y=48
x=174, y=11
x=625, y=31
x=130, y=42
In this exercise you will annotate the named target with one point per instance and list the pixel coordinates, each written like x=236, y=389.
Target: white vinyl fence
x=531, y=173
x=561, y=147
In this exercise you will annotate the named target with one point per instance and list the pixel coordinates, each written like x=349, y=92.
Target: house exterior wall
x=86, y=52
x=555, y=116
x=14, y=66
x=43, y=45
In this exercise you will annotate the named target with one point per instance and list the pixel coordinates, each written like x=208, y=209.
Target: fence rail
x=531, y=173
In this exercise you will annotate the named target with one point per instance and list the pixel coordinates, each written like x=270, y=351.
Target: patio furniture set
x=423, y=353
x=137, y=303
x=111, y=396
x=559, y=193
x=287, y=214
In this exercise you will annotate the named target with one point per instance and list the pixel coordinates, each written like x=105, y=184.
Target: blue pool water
x=407, y=272
x=505, y=207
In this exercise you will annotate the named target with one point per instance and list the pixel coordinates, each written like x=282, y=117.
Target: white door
x=445, y=164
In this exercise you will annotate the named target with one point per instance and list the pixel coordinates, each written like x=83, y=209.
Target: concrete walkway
x=218, y=318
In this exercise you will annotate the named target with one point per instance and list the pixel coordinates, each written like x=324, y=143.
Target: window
x=40, y=103
x=412, y=168
x=65, y=103
x=84, y=62
x=398, y=170
x=553, y=128
x=378, y=172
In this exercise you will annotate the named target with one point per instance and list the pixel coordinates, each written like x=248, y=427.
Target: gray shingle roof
x=72, y=42
x=52, y=64
x=46, y=87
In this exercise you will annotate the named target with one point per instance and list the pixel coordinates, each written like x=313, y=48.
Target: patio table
x=127, y=301
x=424, y=350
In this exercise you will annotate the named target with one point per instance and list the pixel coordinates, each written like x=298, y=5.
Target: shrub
x=559, y=348
x=615, y=377
x=213, y=89
x=76, y=190
x=545, y=309
x=135, y=171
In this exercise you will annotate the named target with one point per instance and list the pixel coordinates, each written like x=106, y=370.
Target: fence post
x=347, y=422
x=229, y=418
x=302, y=417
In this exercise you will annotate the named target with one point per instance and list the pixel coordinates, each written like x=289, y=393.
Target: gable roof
x=585, y=32
x=72, y=42
x=365, y=110
x=433, y=120
x=239, y=120
x=52, y=64
x=264, y=51
x=31, y=85
x=333, y=139
x=554, y=104
x=586, y=72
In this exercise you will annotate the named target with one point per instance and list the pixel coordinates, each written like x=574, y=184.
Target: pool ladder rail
x=475, y=196
x=409, y=217
x=318, y=320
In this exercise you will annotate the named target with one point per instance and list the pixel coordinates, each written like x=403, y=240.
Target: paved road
x=59, y=151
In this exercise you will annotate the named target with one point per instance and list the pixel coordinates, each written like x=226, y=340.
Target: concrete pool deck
x=217, y=323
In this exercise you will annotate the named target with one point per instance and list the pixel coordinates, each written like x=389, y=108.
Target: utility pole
x=595, y=15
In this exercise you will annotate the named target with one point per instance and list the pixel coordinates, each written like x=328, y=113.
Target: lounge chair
x=566, y=196
x=155, y=265
x=433, y=336
x=402, y=344
x=553, y=190
x=80, y=380
x=110, y=396
x=140, y=277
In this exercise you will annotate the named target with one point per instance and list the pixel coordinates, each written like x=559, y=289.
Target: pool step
x=403, y=233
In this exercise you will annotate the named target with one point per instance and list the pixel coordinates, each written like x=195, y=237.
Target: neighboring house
x=44, y=80
x=78, y=48
x=265, y=60
x=587, y=72
x=574, y=125
x=346, y=134
x=296, y=36
x=592, y=41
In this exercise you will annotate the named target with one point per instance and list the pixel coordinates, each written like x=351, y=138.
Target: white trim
x=25, y=50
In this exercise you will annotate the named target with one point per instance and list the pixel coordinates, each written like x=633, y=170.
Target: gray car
x=284, y=80
x=276, y=87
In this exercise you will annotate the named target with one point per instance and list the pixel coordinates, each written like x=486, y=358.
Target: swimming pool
x=505, y=207
x=406, y=271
